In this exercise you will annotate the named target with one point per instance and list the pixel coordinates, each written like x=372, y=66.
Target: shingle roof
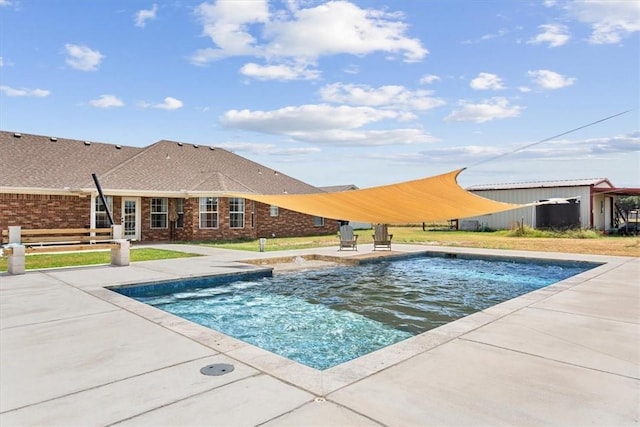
x=543, y=184
x=32, y=161
x=166, y=166
x=338, y=188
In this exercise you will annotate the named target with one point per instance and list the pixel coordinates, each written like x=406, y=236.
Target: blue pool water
x=325, y=317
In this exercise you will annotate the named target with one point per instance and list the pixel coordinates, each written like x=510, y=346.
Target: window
x=236, y=212
x=208, y=212
x=102, y=219
x=180, y=212
x=318, y=221
x=274, y=211
x=159, y=212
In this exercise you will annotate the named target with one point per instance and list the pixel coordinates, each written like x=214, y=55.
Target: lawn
x=581, y=241
x=584, y=242
x=40, y=261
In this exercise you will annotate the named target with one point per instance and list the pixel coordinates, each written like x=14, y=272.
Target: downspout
x=591, y=207
x=104, y=200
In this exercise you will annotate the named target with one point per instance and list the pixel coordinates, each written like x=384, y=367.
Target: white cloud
x=169, y=104
x=485, y=37
x=553, y=34
x=5, y=3
x=142, y=16
x=82, y=58
x=491, y=109
x=397, y=97
x=556, y=150
x=35, y=93
x=352, y=69
x=459, y=154
x=302, y=35
x=610, y=20
x=487, y=81
x=428, y=79
x=227, y=24
x=279, y=72
x=267, y=149
x=1, y=62
x=327, y=124
x=107, y=101
x=550, y=80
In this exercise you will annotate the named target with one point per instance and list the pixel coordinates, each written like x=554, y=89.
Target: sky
x=362, y=92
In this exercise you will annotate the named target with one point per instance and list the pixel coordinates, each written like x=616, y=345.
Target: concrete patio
x=73, y=353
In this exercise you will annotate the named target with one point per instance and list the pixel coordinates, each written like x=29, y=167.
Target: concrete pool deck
x=73, y=353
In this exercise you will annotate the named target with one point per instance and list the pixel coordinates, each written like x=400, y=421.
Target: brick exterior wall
x=44, y=211
x=52, y=211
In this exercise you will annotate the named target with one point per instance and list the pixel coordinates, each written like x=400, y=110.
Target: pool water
x=326, y=317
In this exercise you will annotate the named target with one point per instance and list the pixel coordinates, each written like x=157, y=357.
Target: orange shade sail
x=430, y=199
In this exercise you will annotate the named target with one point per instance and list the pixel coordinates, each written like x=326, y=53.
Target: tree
x=628, y=203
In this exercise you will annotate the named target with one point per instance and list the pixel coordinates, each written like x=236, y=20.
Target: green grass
x=40, y=261
x=527, y=231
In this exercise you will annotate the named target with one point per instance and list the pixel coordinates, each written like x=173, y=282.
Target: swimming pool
x=326, y=317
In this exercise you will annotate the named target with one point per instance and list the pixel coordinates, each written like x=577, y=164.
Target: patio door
x=131, y=217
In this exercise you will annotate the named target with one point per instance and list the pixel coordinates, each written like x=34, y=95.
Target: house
x=166, y=191
x=579, y=203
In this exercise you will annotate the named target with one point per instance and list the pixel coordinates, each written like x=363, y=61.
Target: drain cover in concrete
x=217, y=369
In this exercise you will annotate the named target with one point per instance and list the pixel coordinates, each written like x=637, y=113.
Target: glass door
x=131, y=218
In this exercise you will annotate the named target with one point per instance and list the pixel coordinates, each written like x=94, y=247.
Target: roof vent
x=118, y=147
x=195, y=146
x=180, y=144
x=53, y=138
x=17, y=135
x=87, y=143
x=212, y=148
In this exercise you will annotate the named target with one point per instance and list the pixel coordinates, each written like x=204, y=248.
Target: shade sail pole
x=104, y=200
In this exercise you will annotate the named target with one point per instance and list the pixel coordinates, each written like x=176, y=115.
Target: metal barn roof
x=589, y=182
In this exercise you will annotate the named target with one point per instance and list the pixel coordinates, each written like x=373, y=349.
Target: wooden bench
x=17, y=242
x=62, y=239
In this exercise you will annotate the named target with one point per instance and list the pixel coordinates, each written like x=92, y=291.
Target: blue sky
x=362, y=92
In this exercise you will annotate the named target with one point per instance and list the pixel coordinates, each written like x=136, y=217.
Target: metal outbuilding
x=583, y=203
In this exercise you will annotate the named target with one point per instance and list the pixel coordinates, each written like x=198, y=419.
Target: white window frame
x=236, y=216
x=162, y=215
x=204, y=212
x=318, y=221
x=274, y=211
x=98, y=203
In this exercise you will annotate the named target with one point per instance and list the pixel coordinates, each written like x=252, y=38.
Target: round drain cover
x=217, y=369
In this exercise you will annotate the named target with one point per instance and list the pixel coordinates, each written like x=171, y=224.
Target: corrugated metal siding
x=510, y=219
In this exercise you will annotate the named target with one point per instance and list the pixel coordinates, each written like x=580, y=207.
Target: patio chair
x=348, y=240
x=382, y=238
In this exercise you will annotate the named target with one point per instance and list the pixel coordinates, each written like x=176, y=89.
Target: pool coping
x=322, y=383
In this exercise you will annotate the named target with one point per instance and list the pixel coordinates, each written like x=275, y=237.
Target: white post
x=116, y=232
x=16, y=259
x=14, y=233
x=120, y=255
